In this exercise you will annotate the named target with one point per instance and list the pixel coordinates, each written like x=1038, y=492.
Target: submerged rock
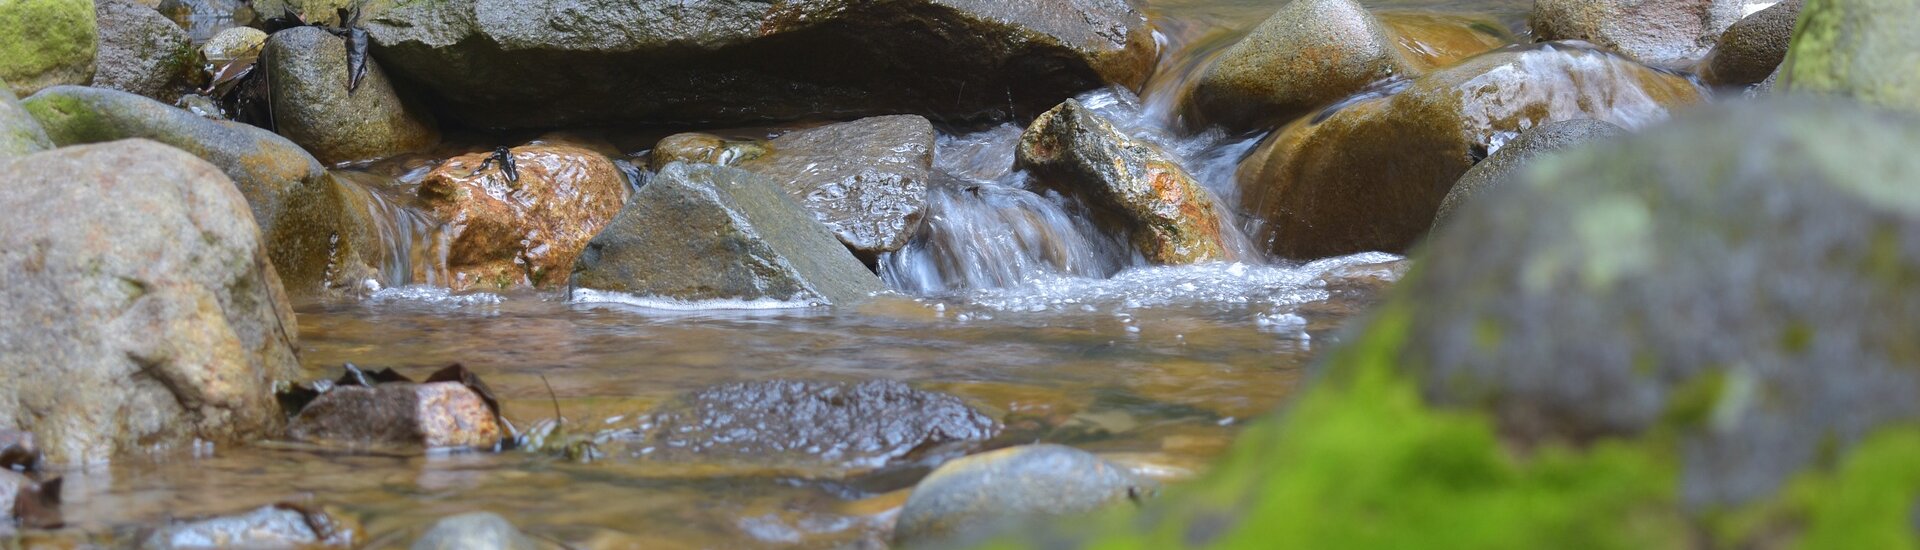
x=474, y=531
x=866, y=179
x=1490, y=174
x=49, y=43
x=141, y=310
x=1662, y=32
x=523, y=228
x=1172, y=218
x=524, y=64
x=312, y=105
x=20, y=134
x=835, y=425
x=703, y=233
x=698, y=148
x=973, y=497
x=277, y=526
x=401, y=414
x=1753, y=48
x=1369, y=175
x=1866, y=50
x=142, y=52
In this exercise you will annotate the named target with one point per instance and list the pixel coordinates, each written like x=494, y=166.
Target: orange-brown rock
x=1431, y=41
x=436, y=415
x=527, y=231
x=1371, y=175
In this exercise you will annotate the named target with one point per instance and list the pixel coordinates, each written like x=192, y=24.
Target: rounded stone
x=975, y=496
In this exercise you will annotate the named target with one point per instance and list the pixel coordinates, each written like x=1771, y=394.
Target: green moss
x=48, y=42
x=1867, y=501
x=1692, y=405
x=68, y=119
x=1864, y=49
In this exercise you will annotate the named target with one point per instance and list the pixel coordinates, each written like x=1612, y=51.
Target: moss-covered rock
x=1867, y=50
x=20, y=134
x=313, y=105
x=1370, y=174
x=49, y=43
x=1752, y=49
x=142, y=51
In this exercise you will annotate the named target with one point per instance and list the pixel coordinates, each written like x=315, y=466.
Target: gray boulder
x=866, y=179
x=973, y=497
x=1657, y=32
x=1493, y=172
x=307, y=69
x=1752, y=49
x=1866, y=50
x=497, y=63
x=474, y=531
x=142, y=52
x=141, y=310
x=20, y=134
x=702, y=233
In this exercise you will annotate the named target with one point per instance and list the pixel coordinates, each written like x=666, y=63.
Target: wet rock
x=277, y=526
x=319, y=230
x=142, y=52
x=319, y=12
x=141, y=310
x=975, y=496
x=1753, y=48
x=18, y=451
x=475, y=531
x=1369, y=175
x=812, y=424
x=28, y=503
x=1173, y=220
x=1431, y=41
x=1490, y=174
x=526, y=230
x=1864, y=50
x=1309, y=54
x=866, y=179
x=232, y=45
x=312, y=105
x=520, y=64
x=698, y=148
x=20, y=134
x=1665, y=32
x=49, y=43
x=403, y=414
x=700, y=233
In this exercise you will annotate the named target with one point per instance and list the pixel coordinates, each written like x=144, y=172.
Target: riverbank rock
x=698, y=148
x=474, y=531
x=277, y=526
x=142, y=312
x=49, y=43
x=1490, y=174
x=1753, y=48
x=699, y=233
x=866, y=179
x=519, y=64
x=527, y=230
x=20, y=134
x=976, y=496
x=1668, y=33
x=1864, y=50
x=1173, y=220
x=307, y=69
x=142, y=52
x=320, y=233
x=1307, y=55
x=812, y=425
x=400, y=414
x=1370, y=175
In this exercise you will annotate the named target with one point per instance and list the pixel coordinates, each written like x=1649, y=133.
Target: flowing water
x=1010, y=299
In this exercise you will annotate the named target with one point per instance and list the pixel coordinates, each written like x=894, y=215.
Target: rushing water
x=1010, y=299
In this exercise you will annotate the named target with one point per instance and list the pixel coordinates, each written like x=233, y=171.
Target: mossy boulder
x=143, y=52
x=1702, y=333
x=20, y=134
x=49, y=43
x=314, y=107
x=525, y=231
x=1867, y=50
x=1369, y=175
x=1515, y=156
x=1668, y=33
x=865, y=179
x=1752, y=49
x=538, y=64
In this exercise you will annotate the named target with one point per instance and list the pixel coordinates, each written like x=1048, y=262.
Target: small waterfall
x=413, y=248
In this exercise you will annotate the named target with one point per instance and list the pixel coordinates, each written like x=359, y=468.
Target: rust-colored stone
x=441, y=414
x=524, y=232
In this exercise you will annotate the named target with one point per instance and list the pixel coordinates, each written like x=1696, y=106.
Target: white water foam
x=590, y=297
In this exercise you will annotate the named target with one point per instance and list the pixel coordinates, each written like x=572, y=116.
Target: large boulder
x=1706, y=328
x=142, y=52
x=501, y=63
x=313, y=105
x=866, y=179
x=1141, y=191
x=142, y=312
x=1657, y=32
x=321, y=233
x=526, y=230
x=49, y=43
x=1862, y=49
x=1312, y=53
x=1370, y=175
x=699, y=233
x=974, y=496
x=20, y=134
x=1490, y=174
x=1752, y=49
